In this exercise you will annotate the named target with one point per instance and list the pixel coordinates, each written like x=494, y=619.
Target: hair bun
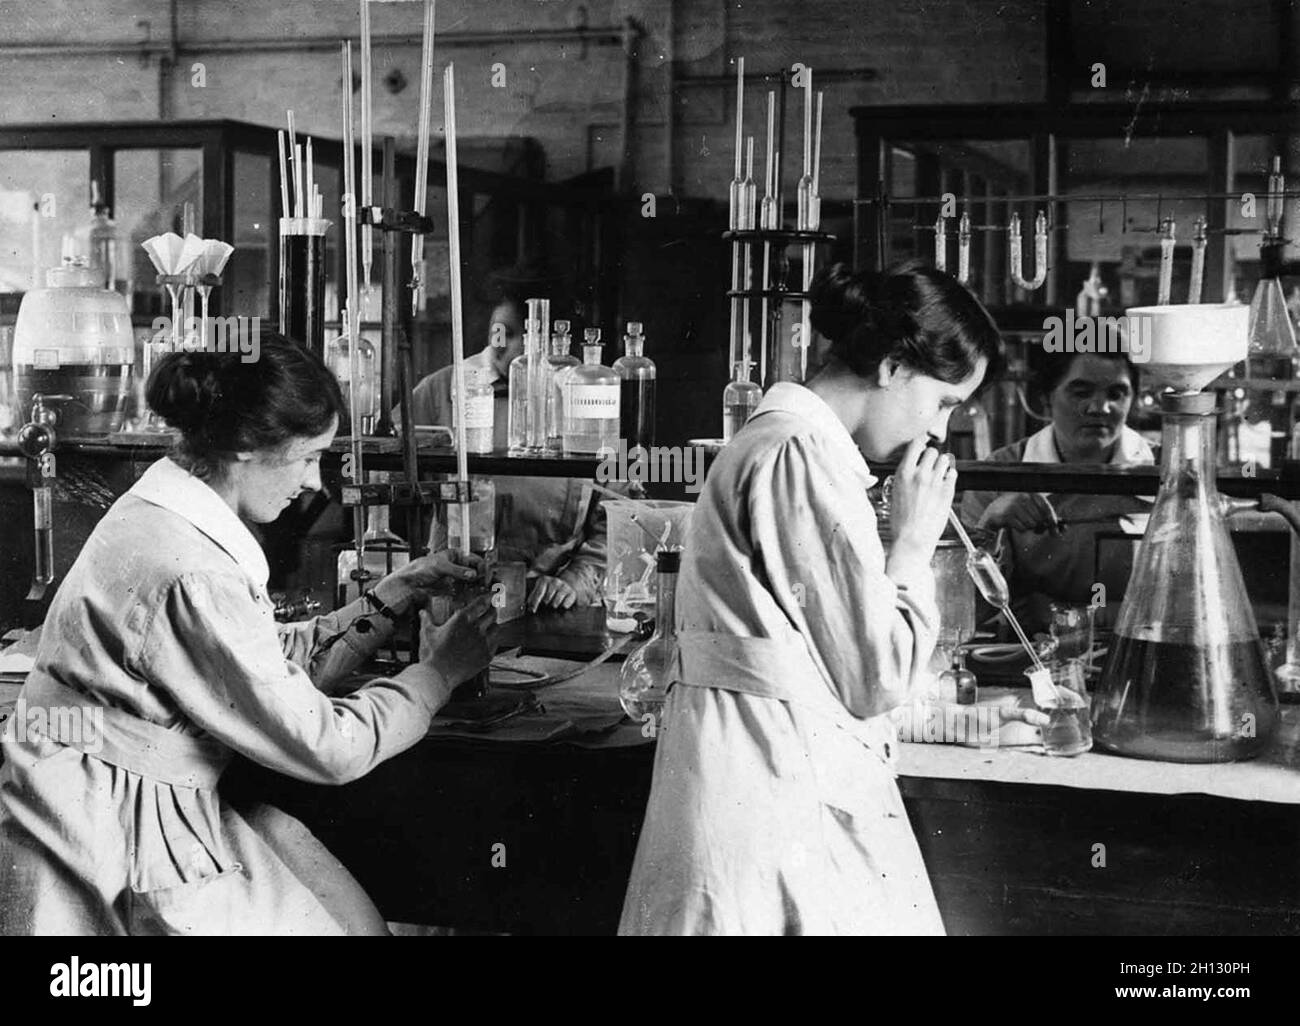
x=184, y=388
x=841, y=299
x=846, y=303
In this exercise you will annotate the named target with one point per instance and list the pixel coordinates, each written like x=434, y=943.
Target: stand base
x=489, y=708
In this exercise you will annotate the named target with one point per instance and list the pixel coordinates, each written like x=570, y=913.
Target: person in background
x=162, y=635
x=554, y=525
x=773, y=807
x=1048, y=542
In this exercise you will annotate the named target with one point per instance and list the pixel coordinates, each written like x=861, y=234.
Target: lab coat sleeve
x=817, y=541
x=331, y=646
x=214, y=650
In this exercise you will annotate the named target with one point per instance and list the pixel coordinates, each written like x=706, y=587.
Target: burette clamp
x=403, y=493
x=390, y=219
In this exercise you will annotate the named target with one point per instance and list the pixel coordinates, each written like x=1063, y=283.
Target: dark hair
x=1048, y=370
x=223, y=404
x=911, y=313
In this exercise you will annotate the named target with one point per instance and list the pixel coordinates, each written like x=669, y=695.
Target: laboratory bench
x=531, y=827
x=1016, y=842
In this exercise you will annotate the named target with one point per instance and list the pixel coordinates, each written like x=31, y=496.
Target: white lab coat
x=164, y=628
x=774, y=807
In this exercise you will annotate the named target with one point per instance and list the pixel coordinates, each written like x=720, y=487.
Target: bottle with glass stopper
x=739, y=399
x=647, y=672
x=526, y=427
x=591, y=402
x=637, y=395
x=558, y=362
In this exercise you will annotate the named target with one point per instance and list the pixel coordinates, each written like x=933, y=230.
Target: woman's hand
x=551, y=592
x=1021, y=511
x=463, y=645
x=437, y=571
x=924, y=484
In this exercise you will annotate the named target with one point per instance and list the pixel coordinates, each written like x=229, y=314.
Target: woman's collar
x=1130, y=448
x=803, y=402
x=169, y=486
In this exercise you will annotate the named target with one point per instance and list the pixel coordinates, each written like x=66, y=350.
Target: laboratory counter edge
x=977, y=475
x=539, y=837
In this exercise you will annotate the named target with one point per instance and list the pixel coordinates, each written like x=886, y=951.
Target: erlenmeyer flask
x=1272, y=337
x=1271, y=356
x=1186, y=677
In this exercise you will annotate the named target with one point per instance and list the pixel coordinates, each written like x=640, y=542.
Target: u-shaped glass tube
x=1016, y=250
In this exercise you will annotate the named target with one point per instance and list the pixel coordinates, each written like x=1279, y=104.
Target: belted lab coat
x=164, y=624
x=774, y=807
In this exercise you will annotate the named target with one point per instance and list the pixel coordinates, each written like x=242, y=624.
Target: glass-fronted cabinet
x=100, y=190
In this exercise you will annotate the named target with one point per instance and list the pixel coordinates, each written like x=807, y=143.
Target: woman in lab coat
x=160, y=659
x=1048, y=543
x=773, y=807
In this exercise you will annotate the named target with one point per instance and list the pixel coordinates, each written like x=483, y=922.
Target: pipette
x=988, y=578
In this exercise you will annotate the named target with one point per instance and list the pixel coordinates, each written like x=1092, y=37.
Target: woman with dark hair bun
x=162, y=637
x=773, y=807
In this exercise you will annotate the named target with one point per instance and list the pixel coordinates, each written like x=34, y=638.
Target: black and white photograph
x=622, y=468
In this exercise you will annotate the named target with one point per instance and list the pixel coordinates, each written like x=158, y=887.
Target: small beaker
x=1072, y=627
x=509, y=590
x=482, y=517
x=1069, y=727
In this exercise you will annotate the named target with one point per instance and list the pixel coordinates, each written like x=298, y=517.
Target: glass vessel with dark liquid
x=1186, y=679
x=302, y=281
x=637, y=393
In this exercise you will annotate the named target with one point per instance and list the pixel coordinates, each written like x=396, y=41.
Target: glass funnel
x=1186, y=679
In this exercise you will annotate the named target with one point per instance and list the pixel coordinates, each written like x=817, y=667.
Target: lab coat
x=774, y=807
x=164, y=625
x=1046, y=567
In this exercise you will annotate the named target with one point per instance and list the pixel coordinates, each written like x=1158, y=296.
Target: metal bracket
x=403, y=493
x=389, y=219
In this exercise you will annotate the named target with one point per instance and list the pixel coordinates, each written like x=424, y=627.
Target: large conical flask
x=1186, y=679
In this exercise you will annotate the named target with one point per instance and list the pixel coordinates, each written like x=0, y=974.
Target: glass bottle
x=967, y=687
x=647, y=671
x=526, y=429
x=739, y=400
x=591, y=402
x=480, y=406
x=338, y=357
x=1185, y=678
x=103, y=240
x=559, y=361
x=637, y=394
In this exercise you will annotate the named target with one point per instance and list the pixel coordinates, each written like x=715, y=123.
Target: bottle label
x=479, y=411
x=593, y=402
